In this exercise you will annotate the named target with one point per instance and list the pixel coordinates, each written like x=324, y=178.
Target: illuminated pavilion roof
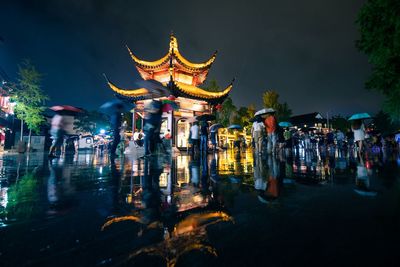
x=176, y=73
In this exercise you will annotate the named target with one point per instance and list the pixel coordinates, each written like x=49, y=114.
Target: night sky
x=303, y=49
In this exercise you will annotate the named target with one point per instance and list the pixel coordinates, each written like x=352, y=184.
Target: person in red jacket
x=270, y=127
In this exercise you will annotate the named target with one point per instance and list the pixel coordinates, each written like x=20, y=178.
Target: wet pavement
x=226, y=209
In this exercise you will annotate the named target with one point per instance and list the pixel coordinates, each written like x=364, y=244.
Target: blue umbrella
x=285, y=124
x=359, y=116
x=215, y=127
x=235, y=127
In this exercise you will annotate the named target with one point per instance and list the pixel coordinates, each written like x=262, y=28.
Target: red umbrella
x=65, y=108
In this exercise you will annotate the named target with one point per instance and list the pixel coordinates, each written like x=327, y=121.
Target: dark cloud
x=303, y=49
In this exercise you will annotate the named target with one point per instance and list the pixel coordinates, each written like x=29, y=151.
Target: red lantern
x=218, y=107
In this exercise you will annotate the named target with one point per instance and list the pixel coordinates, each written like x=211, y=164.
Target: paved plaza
x=226, y=209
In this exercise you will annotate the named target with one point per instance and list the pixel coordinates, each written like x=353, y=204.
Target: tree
x=384, y=124
x=228, y=113
x=29, y=98
x=340, y=123
x=379, y=26
x=271, y=100
x=91, y=122
x=212, y=86
x=244, y=114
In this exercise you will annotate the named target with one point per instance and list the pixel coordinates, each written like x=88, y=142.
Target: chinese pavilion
x=181, y=79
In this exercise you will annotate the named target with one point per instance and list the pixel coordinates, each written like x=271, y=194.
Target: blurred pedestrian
x=257, y=132
x=358, y=129
x=213, y=139
x=152, y=125
x=194, y=136
x=204, y=137
x=57, y=132
x=287, y=135
x=115, y=121
x=271, y=126
x=340, y=139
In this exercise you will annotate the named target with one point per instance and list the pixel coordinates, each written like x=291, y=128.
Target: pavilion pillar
x=133, y=121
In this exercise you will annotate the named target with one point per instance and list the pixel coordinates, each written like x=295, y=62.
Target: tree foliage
x=28, y=96
x=228, y=114
x=379, y=27
x=339, y=122
x=212, y=86
x=91, y=122
x=384, y=124
x=271, y=100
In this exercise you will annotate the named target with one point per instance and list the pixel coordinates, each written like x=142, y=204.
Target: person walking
x=358, y=129
x=152, y=123
x=57, y=134
x=340, y=139
x=287, y=135
x=204, y=137
x=271, y=126
x=115, y=121
x=194, y=136
x=257, y=132
x=213, y=139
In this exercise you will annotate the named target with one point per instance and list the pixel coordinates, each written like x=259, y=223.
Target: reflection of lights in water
x=120, y=219
x=198, y=198
x=188, y=235
x=101, y=171
x=182, y=170
x=4, y=197
x=163, y=180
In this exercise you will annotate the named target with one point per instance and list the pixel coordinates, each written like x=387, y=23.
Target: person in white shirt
x=195, y=136
x=257, y=132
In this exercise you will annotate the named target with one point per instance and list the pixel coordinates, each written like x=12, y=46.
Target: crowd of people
x=268, y=135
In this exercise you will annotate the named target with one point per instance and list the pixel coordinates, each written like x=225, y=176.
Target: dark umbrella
x=257, y=119
x=235, y=127
x=65, y=108
x=155, y=88
x=205, y=117
x=116, y=105
x=215, y=127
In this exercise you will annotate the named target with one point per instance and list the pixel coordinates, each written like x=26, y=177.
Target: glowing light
x=102, y=131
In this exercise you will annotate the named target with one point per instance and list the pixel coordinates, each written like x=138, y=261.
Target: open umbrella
x=256, y=118
x=359, y=116
x=285, y=124
x=215, y=127
x=191, y=120
x=155, y=88
x=235, y=127
x=65, y=108
x=116, y=105
x=264, y=111
x=205, y=117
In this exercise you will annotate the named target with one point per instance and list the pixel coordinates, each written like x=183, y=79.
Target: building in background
x=179, y=78
x=7, y=119
x=309, y=120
